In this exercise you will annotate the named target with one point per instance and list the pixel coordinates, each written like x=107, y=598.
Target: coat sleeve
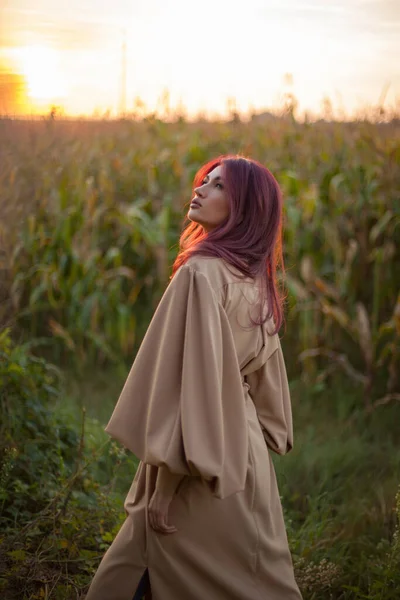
x=269, y=390
x=182, y=405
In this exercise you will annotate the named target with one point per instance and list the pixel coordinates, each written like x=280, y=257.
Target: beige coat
x=206, y=397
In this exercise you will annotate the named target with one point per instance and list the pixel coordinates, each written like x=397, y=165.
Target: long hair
x=250, y=238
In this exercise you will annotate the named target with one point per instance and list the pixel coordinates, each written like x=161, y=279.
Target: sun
x=40, y=67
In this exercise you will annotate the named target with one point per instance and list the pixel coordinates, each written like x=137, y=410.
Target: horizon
x=334, y=61
x=374, y=115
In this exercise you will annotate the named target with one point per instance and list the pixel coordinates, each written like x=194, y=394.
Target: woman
x=206, y=395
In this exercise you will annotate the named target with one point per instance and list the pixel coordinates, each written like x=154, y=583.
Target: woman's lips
x=195, y=204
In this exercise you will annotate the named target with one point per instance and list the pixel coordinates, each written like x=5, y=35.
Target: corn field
x=90, y=217
x=91, y=214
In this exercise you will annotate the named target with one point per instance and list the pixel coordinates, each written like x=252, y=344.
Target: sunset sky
x=69, y=53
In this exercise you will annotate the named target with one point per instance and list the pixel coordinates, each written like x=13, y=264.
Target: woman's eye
x=220, y=185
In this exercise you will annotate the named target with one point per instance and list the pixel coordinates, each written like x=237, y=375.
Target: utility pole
x=122, y=97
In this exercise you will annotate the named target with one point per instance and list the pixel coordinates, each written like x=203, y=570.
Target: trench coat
x=207, y=398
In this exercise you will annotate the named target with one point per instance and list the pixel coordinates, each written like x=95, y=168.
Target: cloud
x=72, y=35
x=384, y=10
x=360, y=26
x=86, y=30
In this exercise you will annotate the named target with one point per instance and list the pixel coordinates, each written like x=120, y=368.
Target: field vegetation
x=90, y=216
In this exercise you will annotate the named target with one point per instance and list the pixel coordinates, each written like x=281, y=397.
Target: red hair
x=250, y=238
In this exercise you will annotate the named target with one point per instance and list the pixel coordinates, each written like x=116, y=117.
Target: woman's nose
x=199, y=191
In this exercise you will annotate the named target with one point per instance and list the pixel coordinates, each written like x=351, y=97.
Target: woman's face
x=210, y=206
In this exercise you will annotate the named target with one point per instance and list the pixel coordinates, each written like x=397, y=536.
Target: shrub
x=55, y=519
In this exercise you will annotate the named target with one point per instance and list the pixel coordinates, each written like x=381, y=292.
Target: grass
x=338, y=490
x=90, y=214
x=338, y=485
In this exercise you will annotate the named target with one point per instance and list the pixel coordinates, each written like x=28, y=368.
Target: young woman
x=206, y=397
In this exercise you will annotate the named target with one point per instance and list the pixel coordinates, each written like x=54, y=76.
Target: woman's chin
x=192, y=216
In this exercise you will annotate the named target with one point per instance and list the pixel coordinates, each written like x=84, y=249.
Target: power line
x=122, y=96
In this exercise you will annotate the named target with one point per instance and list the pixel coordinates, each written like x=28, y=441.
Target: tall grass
x=92, y=214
